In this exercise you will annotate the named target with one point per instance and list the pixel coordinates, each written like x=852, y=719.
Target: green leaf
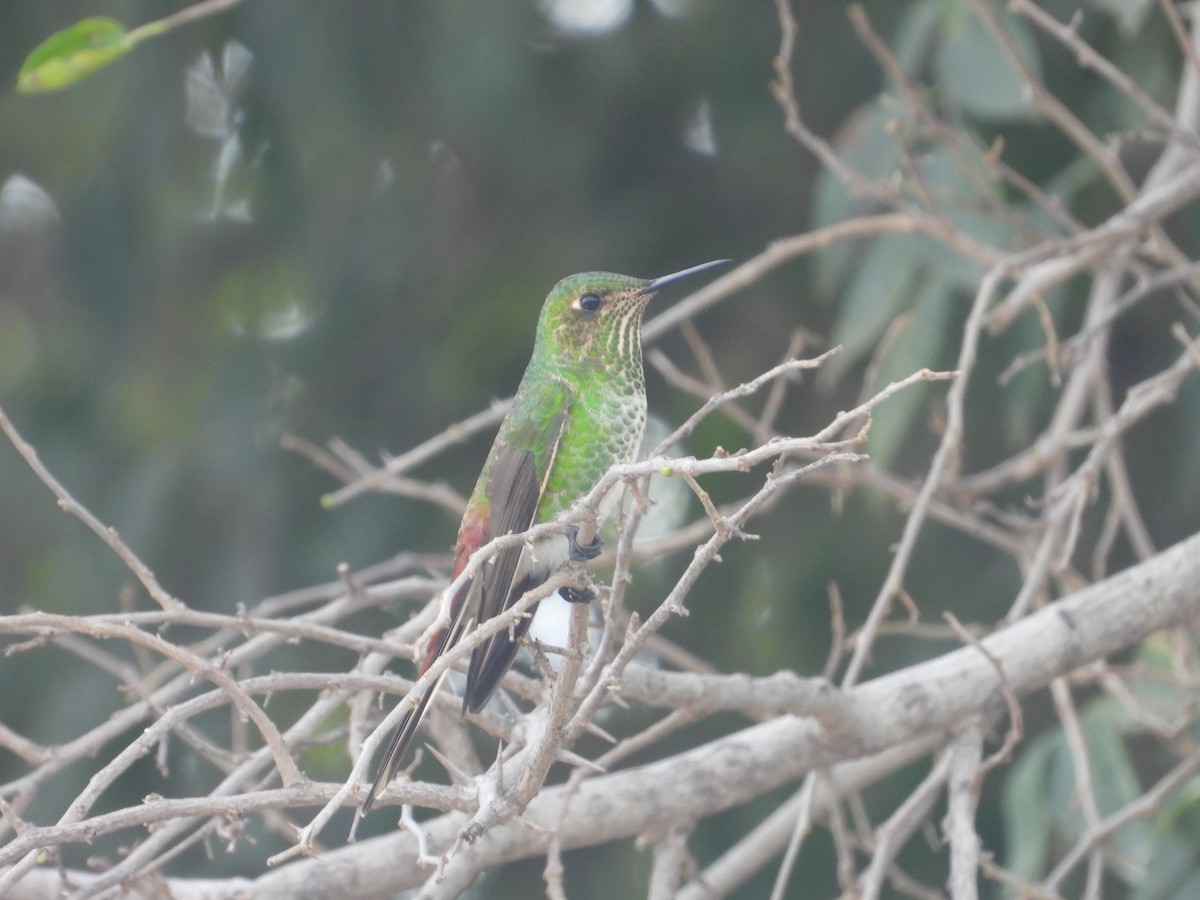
x=1029, y=812
x=1116, y=784
x=918, y=346
x=917, y=30
x=973, y=205
x=880, y=290
x=72, y=54
x=977, y=76
x=1024, y=400
x=866, y=145
x=266, y=299
x=1129, y=14
x=1171, y=873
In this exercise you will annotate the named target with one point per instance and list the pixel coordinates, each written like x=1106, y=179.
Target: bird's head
x=594, y=319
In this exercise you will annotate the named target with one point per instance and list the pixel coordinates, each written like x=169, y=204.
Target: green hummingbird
x=580, y=409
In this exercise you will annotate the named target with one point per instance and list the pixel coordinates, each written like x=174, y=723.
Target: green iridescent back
x=587, y=366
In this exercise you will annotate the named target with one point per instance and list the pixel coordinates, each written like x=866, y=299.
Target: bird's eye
x=589, y=302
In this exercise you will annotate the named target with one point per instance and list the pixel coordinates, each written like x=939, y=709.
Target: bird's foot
x=577, y=595
x=582, y=553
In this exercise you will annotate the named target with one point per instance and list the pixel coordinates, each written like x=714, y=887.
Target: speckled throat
x=607, y=414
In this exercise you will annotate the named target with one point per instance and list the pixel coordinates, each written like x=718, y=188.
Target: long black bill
x=658, y=284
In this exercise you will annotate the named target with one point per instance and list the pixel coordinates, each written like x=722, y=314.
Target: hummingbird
x=579, y=410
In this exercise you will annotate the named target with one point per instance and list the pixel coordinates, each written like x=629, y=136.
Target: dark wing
x=515, y=489
x=407, y=729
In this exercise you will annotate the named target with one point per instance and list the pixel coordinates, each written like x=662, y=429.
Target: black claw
x=578, y=553
x=578, y=595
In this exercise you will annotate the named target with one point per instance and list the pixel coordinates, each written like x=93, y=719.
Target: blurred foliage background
x=347, y=228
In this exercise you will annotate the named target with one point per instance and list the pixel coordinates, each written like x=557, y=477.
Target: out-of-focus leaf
x=25, y=207
x=881, y=284
x=268, y=300
x=918, y=27
x=212, y=96
x=18, y=346
x=1024, y=398
x=976, y=76
x=1039, y=803
x=72, y=54
x=867, y=147
x=971, y=204
x=1028, y=810
x=1181, y=814
x=917, y=347
x=1129, y=14
x=699, y=134
x=1153, y=682
x=878, y=292
x=1116, y=784
x=1171, y=873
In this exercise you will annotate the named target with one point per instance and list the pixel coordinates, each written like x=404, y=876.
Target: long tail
x=398, y=746
x=402, y=737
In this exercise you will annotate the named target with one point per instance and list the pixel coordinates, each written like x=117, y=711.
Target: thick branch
x=934, y=696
